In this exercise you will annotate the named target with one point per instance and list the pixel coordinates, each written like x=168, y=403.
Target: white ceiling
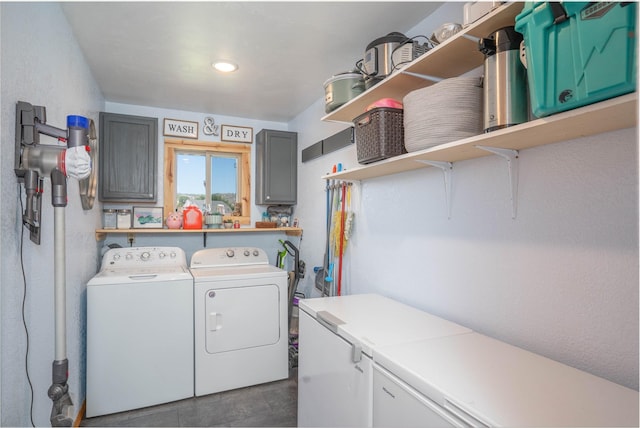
x=159, y=54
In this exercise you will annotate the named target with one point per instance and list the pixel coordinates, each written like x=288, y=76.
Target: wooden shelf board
x=616, y=113
x=290, y=231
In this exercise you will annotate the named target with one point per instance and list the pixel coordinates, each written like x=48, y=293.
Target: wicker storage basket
x=448, y=111
x=379, y=134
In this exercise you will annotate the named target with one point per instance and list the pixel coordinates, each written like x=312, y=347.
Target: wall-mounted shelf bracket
x=511, y=156
x=447, y=171
x=423, y=76
x=472, y=38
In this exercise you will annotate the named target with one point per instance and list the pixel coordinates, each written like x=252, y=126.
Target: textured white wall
x=560, y=280
x=42, y=64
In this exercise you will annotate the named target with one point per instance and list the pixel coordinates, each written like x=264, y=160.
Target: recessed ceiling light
x=225, y=66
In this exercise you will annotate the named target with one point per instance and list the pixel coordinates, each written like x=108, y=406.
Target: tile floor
x=271, y=404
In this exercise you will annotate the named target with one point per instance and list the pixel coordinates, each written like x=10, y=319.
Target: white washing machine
x=139, y=330
x=241, y=336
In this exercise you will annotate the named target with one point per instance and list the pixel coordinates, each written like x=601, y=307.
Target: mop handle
x=344, y=190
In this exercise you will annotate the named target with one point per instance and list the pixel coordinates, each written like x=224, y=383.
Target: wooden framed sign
x=180, y=128
x=236, y=134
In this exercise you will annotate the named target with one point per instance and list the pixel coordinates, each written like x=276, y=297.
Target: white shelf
x=455, y=56
x=616, y=113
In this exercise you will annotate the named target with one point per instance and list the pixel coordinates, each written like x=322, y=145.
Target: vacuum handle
x=58, y=188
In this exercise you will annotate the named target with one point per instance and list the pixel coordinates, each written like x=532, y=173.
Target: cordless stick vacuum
x=33, y=162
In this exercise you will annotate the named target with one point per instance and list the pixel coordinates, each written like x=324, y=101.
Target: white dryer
x=241, y=336
x=139, y=330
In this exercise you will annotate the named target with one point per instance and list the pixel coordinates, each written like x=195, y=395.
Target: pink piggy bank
x=174, y=221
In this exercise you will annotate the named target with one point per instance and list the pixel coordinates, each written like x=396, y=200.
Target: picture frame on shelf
x=148, y=217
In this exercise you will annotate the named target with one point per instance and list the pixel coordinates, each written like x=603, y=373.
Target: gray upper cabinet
x=276, y=167
x=128, y=158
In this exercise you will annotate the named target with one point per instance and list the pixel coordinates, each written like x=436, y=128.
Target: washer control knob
x=230, y=253
x=145, y=256
x=256, y=253
x=162, y=255
x=129, y=256
x=116, y=256
x=172, y=255
x=247, y=253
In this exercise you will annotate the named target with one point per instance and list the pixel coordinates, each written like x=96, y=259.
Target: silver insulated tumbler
x=505, y=84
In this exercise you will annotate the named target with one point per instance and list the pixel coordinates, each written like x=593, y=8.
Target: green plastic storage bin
x=578, y=53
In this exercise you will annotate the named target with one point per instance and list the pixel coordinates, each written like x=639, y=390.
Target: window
x=209, y=180
x=211, y=175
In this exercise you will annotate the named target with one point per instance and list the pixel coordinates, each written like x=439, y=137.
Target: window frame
x=173, y=146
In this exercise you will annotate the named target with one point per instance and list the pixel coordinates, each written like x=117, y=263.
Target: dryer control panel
x=230, y=256
x=144, y=256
